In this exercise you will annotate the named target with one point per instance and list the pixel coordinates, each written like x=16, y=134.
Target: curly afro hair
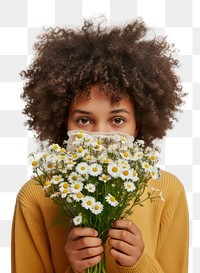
x=120, y=59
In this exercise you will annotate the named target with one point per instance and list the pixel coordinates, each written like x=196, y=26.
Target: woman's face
x=98, y=115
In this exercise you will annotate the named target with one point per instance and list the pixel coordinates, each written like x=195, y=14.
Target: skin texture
x=83, y=248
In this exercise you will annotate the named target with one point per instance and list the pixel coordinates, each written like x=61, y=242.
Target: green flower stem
x=98, y=268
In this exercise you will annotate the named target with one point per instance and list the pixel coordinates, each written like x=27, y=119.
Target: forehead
x=97, y=96
x=100, y=103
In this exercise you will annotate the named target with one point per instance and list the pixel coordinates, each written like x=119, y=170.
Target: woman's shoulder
x=31, y=194
x=170, y=186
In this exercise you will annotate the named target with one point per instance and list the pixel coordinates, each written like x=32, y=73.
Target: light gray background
x=22, y=20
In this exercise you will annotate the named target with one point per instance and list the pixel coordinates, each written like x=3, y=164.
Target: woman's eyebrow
x=79, y=111
x=117, y=111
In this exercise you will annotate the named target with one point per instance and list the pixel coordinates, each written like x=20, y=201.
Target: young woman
x=101, y=79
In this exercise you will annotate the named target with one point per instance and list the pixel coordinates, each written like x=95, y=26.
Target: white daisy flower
x=145, y=165
x=82, y=168
x=73, y=177
x=64, y=189
x=97, y=208
x=56, y=179
x=95, y=169
x=114, y=170
x=125, y=174
x=153, y=172
x=48, y=166
x=78, y=219
x=80, y=151
x=126, y=155
x=56, y=194
x=35, y=163
x=64, y=185
x=75, y=156
x=70, y=164
x=47, y=184
x=90, y=158
x=134, y=176
x=152, y=157
x=76, y=187
x=129, y=186
x=90, y=187
x=55, y=147
x=69, y=199
x=136, y=156
x=88, y=202
x=104, y=178
x=77, y=196
x=140, y=142
x=110, y=199
x=64, y=192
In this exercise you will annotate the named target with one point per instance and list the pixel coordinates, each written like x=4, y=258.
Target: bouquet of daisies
x=96, y=178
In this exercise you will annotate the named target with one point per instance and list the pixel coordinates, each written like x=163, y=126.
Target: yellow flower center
x=126, y=172
x=114, y=169
x=49, y=165
x=82, y=168
x=55, y=146
x=107, y=160
x=77, y=186
x=34, y=163
x=80, y=135
x=79, y=195
x=125, y=154
x=97, y=147
x=75, y=156
x=63, y=156
x=96, y=207
x=74, y=177
x=80, y=149
x=65, y=191
x=57, y=178
x=152, y=157
x=47, y=183
x=63, y=150
x=89, y=203
x=112, y=199
x=70, y=162
x=134, y=173
x=99, y=142
x=65, y=186
x=105, y=177
x=95, y=169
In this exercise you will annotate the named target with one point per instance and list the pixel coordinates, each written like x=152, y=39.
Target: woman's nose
x=102, y=127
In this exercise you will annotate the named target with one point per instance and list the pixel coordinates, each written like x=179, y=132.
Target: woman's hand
x=126, y=242
x=83, y=248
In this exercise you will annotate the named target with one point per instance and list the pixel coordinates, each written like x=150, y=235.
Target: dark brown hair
x=120, y=59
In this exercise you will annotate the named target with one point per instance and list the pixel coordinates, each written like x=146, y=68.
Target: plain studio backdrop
x=22, y=20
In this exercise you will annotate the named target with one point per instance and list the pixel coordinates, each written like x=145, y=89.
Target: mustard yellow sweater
x=38, y=246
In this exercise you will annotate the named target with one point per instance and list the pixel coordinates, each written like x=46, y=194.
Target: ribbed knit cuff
x=139, y=267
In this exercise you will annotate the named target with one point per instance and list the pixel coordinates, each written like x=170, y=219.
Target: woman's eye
x=118, y=121
x=83, y=121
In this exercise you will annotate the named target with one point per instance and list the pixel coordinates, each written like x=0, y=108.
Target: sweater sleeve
x=172, y=247
x=30, y=249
